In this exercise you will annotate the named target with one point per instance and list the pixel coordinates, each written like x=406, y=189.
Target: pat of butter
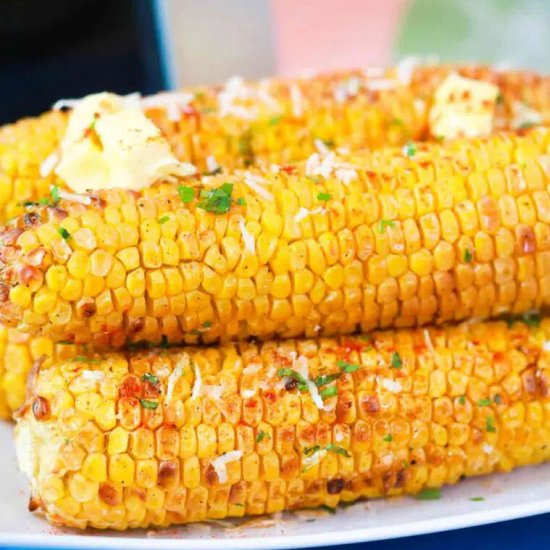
x=463, y=107
x=110, y=143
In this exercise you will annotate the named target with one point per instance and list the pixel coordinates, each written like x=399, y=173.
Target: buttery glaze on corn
x=291, y=116
x=121, y=441
x=456, y=231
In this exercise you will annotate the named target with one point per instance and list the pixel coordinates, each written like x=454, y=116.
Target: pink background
x=325, y=35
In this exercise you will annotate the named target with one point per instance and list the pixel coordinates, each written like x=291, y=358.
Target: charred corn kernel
x=376, y=436
x=439, y=264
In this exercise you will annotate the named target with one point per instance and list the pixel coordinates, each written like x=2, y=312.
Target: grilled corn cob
x=387, y=238
x=272, y=121
x=158, y=438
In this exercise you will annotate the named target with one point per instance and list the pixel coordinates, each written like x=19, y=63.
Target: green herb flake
x=383, y=224
x=331, y=391
x=462, y=400
x=261, y=436
x=490, y=424
x=64, y=233
x=186, y=193
x=396, y=122
x=396, y=361
x=289, y=373
x=532, y=319
x=497, y=399
x=477, y=499
x=500, y=99
x=388, y=438
x=526, y=125
x=217, y=201
x=484, y=402
x=405, y=464
x=324, y=196
x=347, y=367
x=311, y=450
x=241, y=201
x=151, y=405
x=151, y=378
x=273, y=121
x=164, y=219
x=325, y=379
x=207, y=324
x=429, y=493
x=332, y=448
x=54, y=192
x=468, y=256
x=328, y=509
x=409, y=149
x=84, y=359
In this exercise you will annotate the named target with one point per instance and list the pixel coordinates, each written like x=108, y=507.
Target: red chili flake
x=130, y=387
x=289, y=169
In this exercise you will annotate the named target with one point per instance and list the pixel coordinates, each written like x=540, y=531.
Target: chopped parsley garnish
x=462, y=400
x=207, y=324
x=152, y=379
x=497, y=399
x=289, y=373
x=468, y=256
x=332, y=448
x=429, y=493
x=526, y=125
x=532, y=319
x=396, y=361
x=217, y=201
x=84, y=359
x=261, y=435
x=64, y=233
x=405, y=464
x=54, y=192
x=490, y=424
x=388, y=438
x=324, y=196
x=151, y=405
x=164, y=344
x=273, y=121
x=383, y=224
x=396, y=122
x=241, y=201
x=409, y=149
x=311, y=450
x=328, y=509
x=484, y=402
x=331, y=391
x=325, y=379
x=186, y=193
x=477, y=499
x=164, y=219
x=347, y=367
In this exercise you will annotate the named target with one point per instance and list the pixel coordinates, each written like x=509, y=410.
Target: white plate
x=523, y=493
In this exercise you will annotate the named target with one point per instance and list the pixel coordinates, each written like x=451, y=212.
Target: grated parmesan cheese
x=248, y=238
x=254, y=182
x=546, y=345
x=304, y=213
x=220, y=464
x=524, y=116
x=392, y=386
x=247, y=394
x=381, y=84
x=211, y=391
x=313, y=459
x=428, y=340
x=49, y=163
x=212, y=164
x=346, y=175
x=488, y=449
x=95, y=375
x=321, y=147
x=82, y=199
x=252, y=369
x=197, y=385
x=172, y=102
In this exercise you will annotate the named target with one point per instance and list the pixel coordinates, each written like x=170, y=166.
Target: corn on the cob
x=153, y=438
x=387, y=238
x=273, y=121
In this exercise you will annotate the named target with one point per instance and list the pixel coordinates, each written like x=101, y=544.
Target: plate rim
x=329, y=538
